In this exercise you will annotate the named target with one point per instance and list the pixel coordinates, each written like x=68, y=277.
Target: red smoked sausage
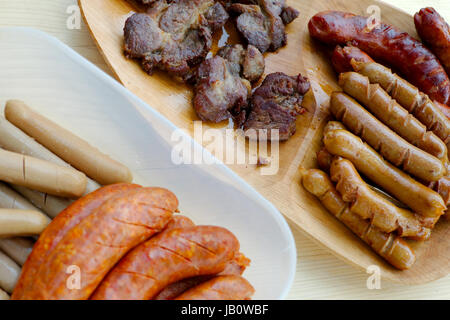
x=220, y=288
x=100, y=240
x=342, y=57
x=435, y=32
x=387, y=44
x=168, y=258
x=59, y=227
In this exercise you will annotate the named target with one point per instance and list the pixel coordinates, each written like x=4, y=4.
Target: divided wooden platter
x=173, y=100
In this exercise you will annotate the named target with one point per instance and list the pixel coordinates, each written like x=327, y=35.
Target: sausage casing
x=72, y=149
x=59, y=227
x=393, y=115
x=435, y=32
x=168, y=258
x=17, y=248
x=415, y=195
x=370, y=205
x=220, y=288
x=392, y=248
x=108, y=233
x=15, y=222
x=385, y=43
x=407, y=95
x=9, y=273
x=390, y=145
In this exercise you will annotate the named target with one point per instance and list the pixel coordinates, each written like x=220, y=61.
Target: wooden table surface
x=319, y=274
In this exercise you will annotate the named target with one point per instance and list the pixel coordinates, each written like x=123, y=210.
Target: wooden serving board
x=173, y=99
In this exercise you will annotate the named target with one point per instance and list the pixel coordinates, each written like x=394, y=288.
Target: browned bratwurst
x=390, y=145
x=409, y=97
x=220, y=288
x=167, y=258
x=387, y=44
x=392, y=248
x=370, y=205
x=435, y=32
x=400, y=185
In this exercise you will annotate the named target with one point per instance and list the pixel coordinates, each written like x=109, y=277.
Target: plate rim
x=116, y=85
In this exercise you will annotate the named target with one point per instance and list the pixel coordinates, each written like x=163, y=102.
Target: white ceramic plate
x=62, y=85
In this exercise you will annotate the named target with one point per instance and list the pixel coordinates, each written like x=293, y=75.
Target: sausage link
x=392, y=248
x=388, y=111
x=108, y=233
x=435, y=32
x=407, y=95
x=390, y=145
x=14, y=222
x=220, y=288
x=15, y=140
x=41, y=175
x=17, y=248
x=415, y=195
x=59, y=227
x=387, y=44
x=370, y=205
x=168, y=258
x=342, y=58
x=9, y=273
x=3, y=295
x=9, y=199
x=72, y=149
x=236, y=267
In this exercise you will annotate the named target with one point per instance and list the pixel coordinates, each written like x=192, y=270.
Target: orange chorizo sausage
x=168, y=258
x=59, y=227
x=220, y=288
x=100, y=240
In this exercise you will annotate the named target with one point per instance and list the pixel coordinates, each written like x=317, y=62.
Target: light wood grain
x=319, y=275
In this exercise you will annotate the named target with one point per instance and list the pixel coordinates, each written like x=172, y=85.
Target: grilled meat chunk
x=248, y=63
x=262, y=22
x=174, y=36
x=276, y=105
x=220, y=92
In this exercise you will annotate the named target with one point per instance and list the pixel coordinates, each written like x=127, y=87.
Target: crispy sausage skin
x=443, y=108
x=390, y=145
x=435, y=32
x=368, y=204
x=342, y=58
x=392, y=248
x=168, y=258
x=409, y=97
x=220, y=288
x=59, y=227
x=108, y=233
x=392, y=114
x=387, y=44
x=400, y=185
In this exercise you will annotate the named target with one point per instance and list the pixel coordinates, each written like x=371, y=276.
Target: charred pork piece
x=220, y=92
x=276, y=105
x=262, y=22
x=174, y=36
x=248, y=63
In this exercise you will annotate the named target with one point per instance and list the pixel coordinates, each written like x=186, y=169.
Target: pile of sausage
x=125, y=243
x=46, y=168
x=387, y=130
